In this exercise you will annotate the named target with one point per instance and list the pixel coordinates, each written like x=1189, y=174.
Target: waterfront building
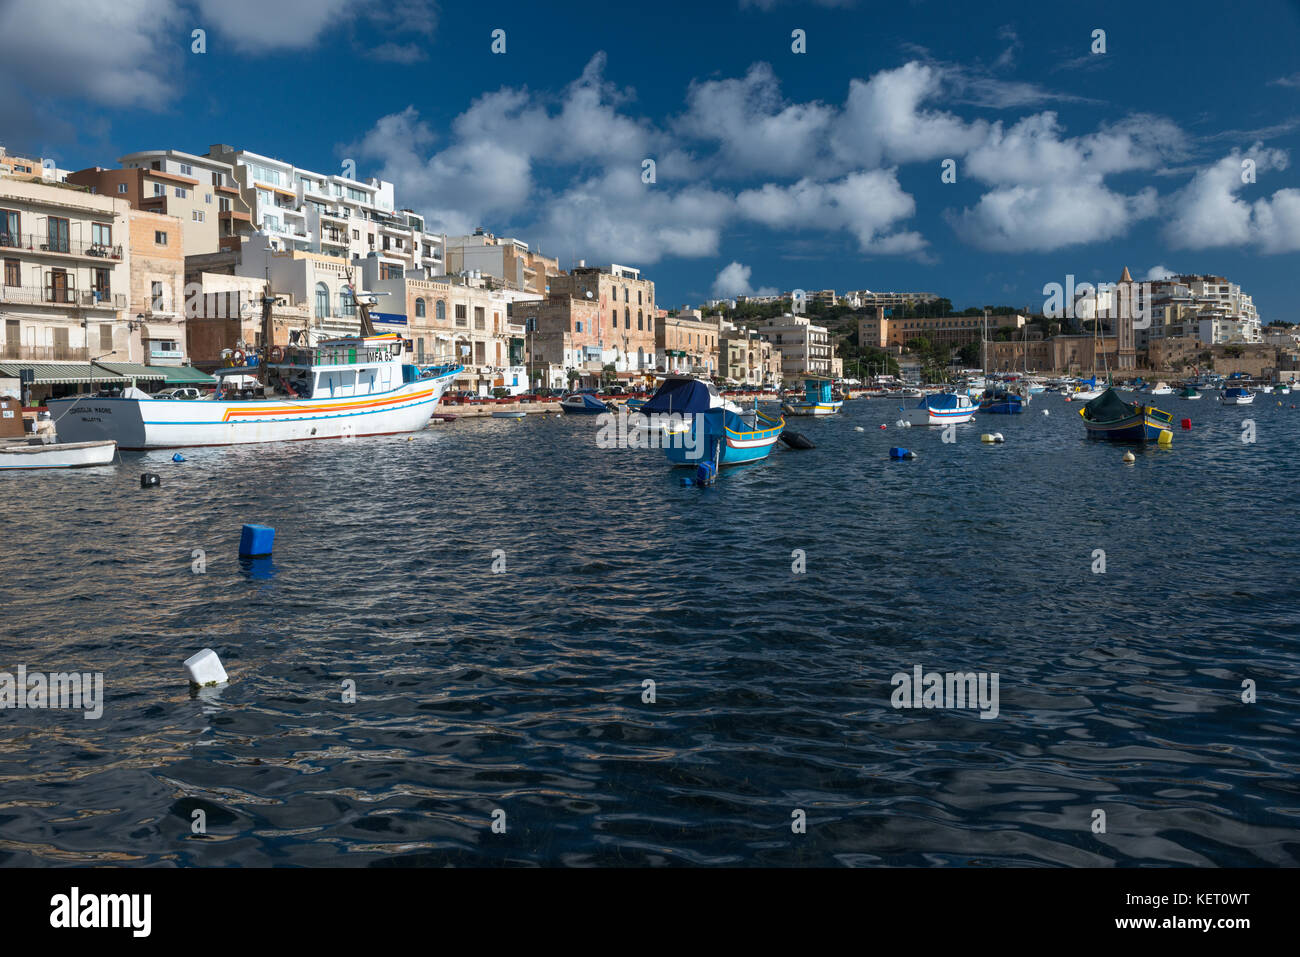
x=199, y=191
x=332, y=214
x=805, y=348
x=223, y=315
x=747, y=358
x=454, y=316
x=626, y=322
x=507, y=260
x=688, y=343
x=877, y=329
x=565, y=340
x=156, y=287
x=63, y=293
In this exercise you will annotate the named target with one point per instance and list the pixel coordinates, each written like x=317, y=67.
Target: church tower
x=1126, y=301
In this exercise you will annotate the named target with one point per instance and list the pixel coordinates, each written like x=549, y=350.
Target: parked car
x=179, y=392
x=616, y=390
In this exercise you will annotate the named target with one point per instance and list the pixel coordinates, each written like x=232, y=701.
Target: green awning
x=133, y=370
x=62, y=373
x=186, y=375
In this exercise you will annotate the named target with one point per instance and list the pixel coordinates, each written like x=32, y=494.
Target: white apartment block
x=1211, y=308
x=333, y=215
x=805, y=348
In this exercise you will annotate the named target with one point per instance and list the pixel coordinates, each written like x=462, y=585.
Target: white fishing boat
x=348, y=387
x=57, y=455
x=1161, y=388
x=1237, y=396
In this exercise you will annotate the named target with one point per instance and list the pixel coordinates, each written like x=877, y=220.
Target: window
x=627, y=318
x=479, y=322
x=419, y=309
x=12, y=273
x=156, y=296
x=389, y=271
x=57, y=235
x=356, y=234
x=440, y=310
x=105, y=337
x=121, y=187
x=99, y=284
x=613, y=319
x=461, y=314
x=638, y=320
x=101, y=234
x=223, y=204
x=187, y=170
x=207, y=198
x=322, y=301
x=9, y=223
x=159, y=189
x=159, y=238
x=625, y=294
x=638, y=297
x=181, y=193
x=198, y=215
x=347, y=305
x=579, y=325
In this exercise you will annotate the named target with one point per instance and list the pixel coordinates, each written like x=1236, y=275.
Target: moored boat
x=1236, y=395
x=818, y=399
x=582, y=403
x=710, y=430
x=1001, y=402
x=1110, y=417
x=1189, y=393
x=943, y=408
x=57, y=455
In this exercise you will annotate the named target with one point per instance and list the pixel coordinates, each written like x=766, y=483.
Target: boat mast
x=263, y=373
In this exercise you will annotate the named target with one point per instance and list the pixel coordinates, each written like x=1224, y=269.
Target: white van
x=178, y=392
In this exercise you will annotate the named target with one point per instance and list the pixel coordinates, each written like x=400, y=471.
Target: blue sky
x=774, y=169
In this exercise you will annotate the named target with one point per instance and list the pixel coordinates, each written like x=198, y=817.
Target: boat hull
x=165, y=423
x=740, y=448
x=1142, y=427
x=939, y=416
x=72, y=455
x=811, y=408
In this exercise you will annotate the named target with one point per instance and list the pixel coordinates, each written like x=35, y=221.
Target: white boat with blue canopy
x=943, y=408
x=705, y=427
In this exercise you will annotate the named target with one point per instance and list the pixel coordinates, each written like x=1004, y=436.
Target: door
x=58, y=286
x=58, y=235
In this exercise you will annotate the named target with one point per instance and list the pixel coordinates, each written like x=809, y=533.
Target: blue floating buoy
x=256, y=541
x=705, y=473
x=177, y=457
x=149, y=480
x=897, y=453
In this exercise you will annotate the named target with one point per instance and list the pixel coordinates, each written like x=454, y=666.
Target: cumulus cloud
x=256, y=27
x=868, y=204
x=1050, y=216
x=1159, y=272
x=117, y=54
x=733, y=280
x=1210, y=212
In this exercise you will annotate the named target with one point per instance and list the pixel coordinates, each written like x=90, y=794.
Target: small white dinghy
x=65, y=455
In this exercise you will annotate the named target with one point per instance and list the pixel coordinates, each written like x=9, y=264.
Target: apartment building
x=688, y=343
x=223, y=315
x=34, y=168
x=884, y=332
x=866, y=299
x=626, y=321
x=748, y=358
x=63, y=294
x=332, y=214
x=200, y=192
x=564, y=340
x=156, y=285
x=505, y=259
x=805, y=348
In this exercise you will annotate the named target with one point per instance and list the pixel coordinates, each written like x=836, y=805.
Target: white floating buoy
x=1129, y=458
x=1047, y=412
x=858, y=428
x=900, y=423
x=205, y=669
x=998, y=437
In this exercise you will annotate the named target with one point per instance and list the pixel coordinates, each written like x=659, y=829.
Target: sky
x=1166, y=143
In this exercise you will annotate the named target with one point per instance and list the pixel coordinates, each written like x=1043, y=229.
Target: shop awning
x=186, y=375
x=62, y=373
x=133, y=370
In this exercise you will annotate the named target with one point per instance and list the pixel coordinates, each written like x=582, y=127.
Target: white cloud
x=1159, y=272
x=119, y=54
x=868, y=204
x=754, y=128
x=1209, y=213
x=1050, y=216
x=733, y=280
x=257, y=27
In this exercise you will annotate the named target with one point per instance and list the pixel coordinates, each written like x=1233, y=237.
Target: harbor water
x=497, y=621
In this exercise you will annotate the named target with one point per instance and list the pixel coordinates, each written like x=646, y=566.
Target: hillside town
x=152, y=273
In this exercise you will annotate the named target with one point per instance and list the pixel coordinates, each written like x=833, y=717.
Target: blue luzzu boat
x=701, y=426
x=1110, y=417
x=819, y=399
x=942, y=408
x=1001, y=402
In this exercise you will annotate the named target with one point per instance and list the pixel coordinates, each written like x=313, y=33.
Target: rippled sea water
x=523, y=690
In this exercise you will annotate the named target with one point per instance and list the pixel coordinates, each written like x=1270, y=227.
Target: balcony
x=45, y=353
x=57, y=296
x=33, y=242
